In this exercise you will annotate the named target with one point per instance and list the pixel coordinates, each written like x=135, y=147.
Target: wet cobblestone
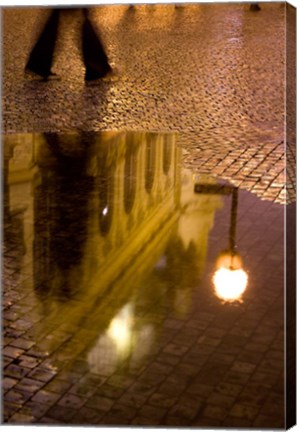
x=205, y=71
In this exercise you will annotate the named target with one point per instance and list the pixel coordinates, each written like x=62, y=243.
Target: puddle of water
x=122, y=259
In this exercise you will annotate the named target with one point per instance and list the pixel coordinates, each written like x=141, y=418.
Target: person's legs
x=41, y=57
x=93, y=53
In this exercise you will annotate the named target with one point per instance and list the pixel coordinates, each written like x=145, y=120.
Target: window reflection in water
x=167, y=153
x=105, y=190
x=150, y=163
x=130, y=173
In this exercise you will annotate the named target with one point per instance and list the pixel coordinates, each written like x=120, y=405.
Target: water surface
x=111, y=310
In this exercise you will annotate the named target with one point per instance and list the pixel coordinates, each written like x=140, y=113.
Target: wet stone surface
x=212, y=72
x=118, y=298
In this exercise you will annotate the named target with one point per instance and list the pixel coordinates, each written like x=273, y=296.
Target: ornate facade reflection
x=119, y=239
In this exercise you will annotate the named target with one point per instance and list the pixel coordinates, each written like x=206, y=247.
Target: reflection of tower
x=197, y=214
x=186, y=253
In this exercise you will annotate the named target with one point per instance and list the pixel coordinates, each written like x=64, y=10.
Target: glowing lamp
x=120, y=329
x=230, y=283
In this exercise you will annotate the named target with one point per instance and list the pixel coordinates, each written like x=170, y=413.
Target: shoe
x=111, y=76
x=53, y=77
x=29, y=74
x=108, y=77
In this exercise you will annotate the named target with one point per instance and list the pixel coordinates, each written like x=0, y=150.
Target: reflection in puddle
x=230, y=280
x=230, y=283
x=109, y=237
x=123, y=340
x=116, y=222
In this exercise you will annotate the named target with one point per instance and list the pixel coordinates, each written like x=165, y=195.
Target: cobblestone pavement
x=109, y=311
x=213, y=73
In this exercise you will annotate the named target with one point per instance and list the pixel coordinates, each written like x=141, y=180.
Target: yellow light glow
x=230, y=284
x=120, y=329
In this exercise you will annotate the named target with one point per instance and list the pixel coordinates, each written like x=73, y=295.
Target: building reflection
x=230, y=279
x=170, y=270
x=17, y=176
x=119, y=239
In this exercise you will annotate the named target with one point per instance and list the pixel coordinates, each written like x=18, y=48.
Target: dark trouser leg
x=94, y=56
x=41, y=56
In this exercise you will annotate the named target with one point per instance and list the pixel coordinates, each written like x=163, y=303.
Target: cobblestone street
x=213, y=73
x=129, y=206
x=110, y=313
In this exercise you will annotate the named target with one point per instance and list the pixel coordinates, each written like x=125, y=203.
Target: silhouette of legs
x=93, y=53
x=94, y=56
x=41, y=56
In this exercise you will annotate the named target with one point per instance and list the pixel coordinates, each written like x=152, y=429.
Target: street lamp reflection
x=120, y=330
x=230, y=283
x=230, y=279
